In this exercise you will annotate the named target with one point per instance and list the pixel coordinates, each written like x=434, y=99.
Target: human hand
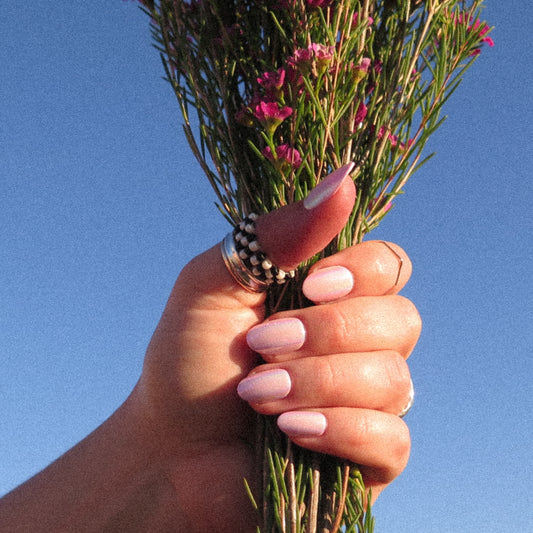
x=340, y=363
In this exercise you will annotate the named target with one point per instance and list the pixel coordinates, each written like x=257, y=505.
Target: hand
x=173, y=457
x=348, y=368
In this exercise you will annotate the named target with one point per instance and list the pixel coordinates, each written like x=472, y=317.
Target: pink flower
x=285, y=157
x=273, y=82
x=360, y=71
x=465, y=18
x=360, y=114
x=302, y=60
x=315, y=56
x=355, y=20
x=394, y=140
x=383, y=205
x=322, y=52
x=271, y=115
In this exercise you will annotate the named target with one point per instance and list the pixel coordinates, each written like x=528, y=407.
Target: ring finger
x=377, y=380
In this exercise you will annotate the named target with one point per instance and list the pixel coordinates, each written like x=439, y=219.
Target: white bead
x=249, y=228
x=254, y=246
x=280, y=275
x=256, y=271
x=238, y=237
x=254, y=260
x=242, y=254
x=266, y=264
x=269, y=274
x=253, y=216
x=244, y=241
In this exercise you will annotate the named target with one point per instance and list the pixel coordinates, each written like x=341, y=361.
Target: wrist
x=113, y=480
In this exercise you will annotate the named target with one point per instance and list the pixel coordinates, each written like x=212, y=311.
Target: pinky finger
x=379, y=442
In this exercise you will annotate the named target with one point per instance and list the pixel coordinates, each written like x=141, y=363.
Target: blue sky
x=101, y=204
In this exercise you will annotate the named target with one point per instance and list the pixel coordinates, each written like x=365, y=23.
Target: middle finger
x=362, y=324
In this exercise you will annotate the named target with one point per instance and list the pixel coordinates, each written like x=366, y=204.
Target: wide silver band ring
x=237, y=268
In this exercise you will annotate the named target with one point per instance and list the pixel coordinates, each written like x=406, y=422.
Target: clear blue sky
x=101, y=204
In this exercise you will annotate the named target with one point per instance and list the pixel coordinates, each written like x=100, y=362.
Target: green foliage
x=365, y=81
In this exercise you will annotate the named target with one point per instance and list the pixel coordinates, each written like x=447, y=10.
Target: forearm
x=113, y=480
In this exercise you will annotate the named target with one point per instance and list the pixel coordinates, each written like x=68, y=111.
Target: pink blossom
x=355, y=19
x=394, y=140
x=465, y=18
x=315, y=55
x=300, y=56
x=360, y=71
x=360, y=114
x=285, y=156
x=376, y=205
x=271, y=115
x=273, y=82
x=321, y=51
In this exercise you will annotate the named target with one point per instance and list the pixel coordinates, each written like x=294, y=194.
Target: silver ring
x=246, y=262
x=410, y=402
x=237, y=268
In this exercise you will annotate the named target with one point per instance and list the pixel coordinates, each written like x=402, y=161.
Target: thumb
x=288, y=236
x=298, y=231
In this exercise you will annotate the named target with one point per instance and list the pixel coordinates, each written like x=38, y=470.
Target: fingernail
x=327, y=187
x=265, y=386
x=410, y=401
x=302, y=423
x=328, y=284
x=277, y=336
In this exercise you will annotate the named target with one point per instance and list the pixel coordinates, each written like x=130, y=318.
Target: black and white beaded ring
x=245, y=260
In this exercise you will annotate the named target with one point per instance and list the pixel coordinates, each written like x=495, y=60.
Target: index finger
x=371, y=268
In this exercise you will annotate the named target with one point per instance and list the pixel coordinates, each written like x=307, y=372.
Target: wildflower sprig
x=275, y=94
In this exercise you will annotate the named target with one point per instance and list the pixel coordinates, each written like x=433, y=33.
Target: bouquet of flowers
x=274, y=96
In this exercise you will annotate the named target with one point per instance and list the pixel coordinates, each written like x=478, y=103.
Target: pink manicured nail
x=302, y=423
x=328, y=284
x=327, y=187
x=265, y=386
x=277, y=336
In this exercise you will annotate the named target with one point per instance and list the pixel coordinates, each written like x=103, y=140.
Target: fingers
x=336, y=373
x=364, y=324
x=379, y=380
x=372, y=268
x=379, y=441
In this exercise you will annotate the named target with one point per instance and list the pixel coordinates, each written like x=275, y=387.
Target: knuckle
x=326, y=380
x=341, y=325
x=410, y=315
x=401, y=445
x=397, y=379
